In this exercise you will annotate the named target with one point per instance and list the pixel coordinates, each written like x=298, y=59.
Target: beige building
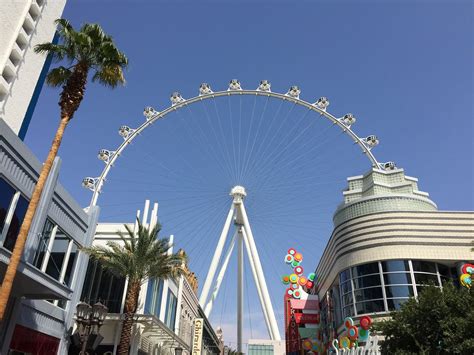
x=389, y=240
x=23, y=25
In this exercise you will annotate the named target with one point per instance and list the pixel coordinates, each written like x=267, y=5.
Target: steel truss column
x=255, y=278
x=220, y=277
x=240, y=292
x=253, y=253
x=215, y=260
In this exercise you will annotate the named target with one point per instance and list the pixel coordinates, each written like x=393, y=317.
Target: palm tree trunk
x=30, y=212
x=70, y=99
x=131, y=303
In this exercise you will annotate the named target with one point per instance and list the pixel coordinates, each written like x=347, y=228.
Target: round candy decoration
x=297, y=294
x=291, y=251
x=463, y=268
x=295, y=263
x=299, y=257
x=309, y=284
x=353, y=332
x=348, y=322
x=289, y=292
x=302, y=281
x=289, y=259
x=294, y=286
x=285, y=279
x=365, y=322
x=363, y=335
x=293, y=278
x=311, y=276
x=307, y=344
x=344, y=342
x=298, y=270
x=315, y=347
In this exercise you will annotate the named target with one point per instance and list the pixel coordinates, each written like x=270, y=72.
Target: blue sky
x=404, y=69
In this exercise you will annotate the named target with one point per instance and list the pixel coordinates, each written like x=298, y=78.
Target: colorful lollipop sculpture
x=355, y=335
x=467, y=275
x=297, y=280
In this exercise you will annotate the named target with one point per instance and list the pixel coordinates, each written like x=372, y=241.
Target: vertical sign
x=197, y=336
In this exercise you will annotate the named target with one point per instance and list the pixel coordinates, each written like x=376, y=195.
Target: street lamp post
x=178, y=350
x=89, y=319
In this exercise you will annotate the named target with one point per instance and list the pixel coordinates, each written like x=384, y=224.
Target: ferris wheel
x=289, y=155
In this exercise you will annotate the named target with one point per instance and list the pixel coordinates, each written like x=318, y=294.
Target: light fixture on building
x=178, y=350
x=89, y=319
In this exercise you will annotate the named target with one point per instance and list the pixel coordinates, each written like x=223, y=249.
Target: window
x=101, y=285
x=57, y=255
x=424, y=266
x=346, y=287
x=154, y=296
x=367, y=281
x=370, y=307
x=344, y=276
x=6, y=195
x=70, y=265
x=395, y=265
x=395, y=304
x=366, y=269
x=397, y=279
x=171, y=303
x=43, y=243
x=399, y=291
x=15, y=223
x=424, y=279
x=368, y=294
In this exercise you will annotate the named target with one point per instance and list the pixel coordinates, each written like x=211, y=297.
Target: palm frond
x=57, y=51
x=58, y=76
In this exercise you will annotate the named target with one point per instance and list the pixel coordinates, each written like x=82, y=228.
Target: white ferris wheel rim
x=96, y=184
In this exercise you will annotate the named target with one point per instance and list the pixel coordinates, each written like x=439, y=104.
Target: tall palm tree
x=86, y=50
x=140, y=256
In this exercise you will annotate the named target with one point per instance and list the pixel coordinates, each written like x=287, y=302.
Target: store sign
x=305, y=318
x=197, y=336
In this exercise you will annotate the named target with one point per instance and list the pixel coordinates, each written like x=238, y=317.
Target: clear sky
x=404, y=69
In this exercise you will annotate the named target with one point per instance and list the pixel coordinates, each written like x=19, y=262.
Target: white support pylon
x=215, y=259
x=245, y=239
x=220, y=277
x=253, y=253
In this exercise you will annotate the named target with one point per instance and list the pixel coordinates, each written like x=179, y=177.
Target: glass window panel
x=395, y=265
x=348, y=311
x=158, y=297
x=70, y=265
x=367, y=281
x=170, y=310
x=6, y=195
x=15, y=223
x=344, y=276
x=347, y=299
x=424, y=266
x=366, y=269
x=423, y=279
x=397, y=279
x=149, y=297
x=444, y=271
x=399, y=291
x=58, y=252
x=43, y=243
x=370, y=307
x=395, y=304
x=346, y=287
x=368, y=294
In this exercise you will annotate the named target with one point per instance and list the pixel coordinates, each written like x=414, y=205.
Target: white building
x=23, y=25
x=266, y=347
x=166, y=308
x=389, y=240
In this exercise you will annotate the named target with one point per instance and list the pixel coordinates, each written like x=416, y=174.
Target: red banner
x=305, y=318
x=305, y=304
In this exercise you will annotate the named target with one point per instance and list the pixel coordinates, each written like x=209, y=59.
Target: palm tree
x=141, y=256
x=86, y=50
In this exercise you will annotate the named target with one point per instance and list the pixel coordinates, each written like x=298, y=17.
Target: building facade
x=166, y=308
x=389, y=241
x=47, y=286
x=23, y=25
